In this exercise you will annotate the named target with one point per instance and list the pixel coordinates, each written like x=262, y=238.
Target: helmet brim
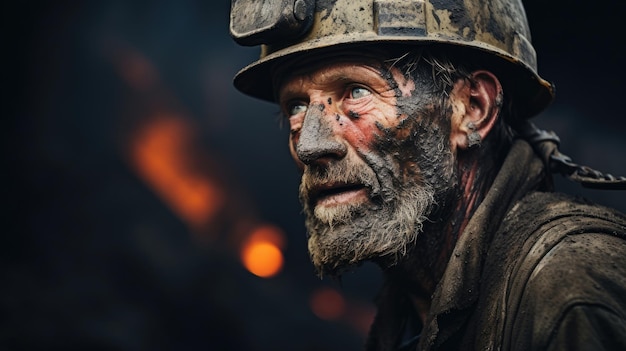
x=531, y=92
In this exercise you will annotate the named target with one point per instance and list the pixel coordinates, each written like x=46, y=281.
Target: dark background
x=99, y=249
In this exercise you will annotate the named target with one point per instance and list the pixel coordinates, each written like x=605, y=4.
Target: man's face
x=375, y=156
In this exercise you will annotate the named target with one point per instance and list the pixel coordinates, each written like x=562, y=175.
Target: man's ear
x=480, y=99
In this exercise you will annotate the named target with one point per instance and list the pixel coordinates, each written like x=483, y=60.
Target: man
x=409, y=121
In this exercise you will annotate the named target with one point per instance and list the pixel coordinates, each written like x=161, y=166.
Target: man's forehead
x=340, y=74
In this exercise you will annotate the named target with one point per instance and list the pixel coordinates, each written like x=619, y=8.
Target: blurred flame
x=161, y=155
x=261, y=252
x=327, y=303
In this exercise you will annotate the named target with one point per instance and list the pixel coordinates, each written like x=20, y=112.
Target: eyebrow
x=337, y=75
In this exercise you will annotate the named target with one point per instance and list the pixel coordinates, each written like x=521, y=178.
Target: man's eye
x=359, y=92
x=296, y=109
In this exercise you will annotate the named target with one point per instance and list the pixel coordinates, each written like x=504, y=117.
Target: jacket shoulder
x=570, y=262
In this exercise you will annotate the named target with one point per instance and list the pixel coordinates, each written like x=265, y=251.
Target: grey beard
x=382, y=229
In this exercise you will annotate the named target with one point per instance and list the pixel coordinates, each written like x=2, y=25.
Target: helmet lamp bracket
x=255, y=22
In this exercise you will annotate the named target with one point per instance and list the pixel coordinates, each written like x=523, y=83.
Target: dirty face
x=375, y=155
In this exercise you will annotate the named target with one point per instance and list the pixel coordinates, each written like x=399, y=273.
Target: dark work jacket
x=531, y=271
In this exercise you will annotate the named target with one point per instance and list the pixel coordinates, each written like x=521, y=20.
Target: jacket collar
x=521, y=172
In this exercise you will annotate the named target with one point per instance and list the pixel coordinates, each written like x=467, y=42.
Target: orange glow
x=161, y=154
x=261, y=251
x=327, y=303
x=263, y=259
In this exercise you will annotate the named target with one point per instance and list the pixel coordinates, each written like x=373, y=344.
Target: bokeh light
x=261, y=252
x=327, y=303
x=262, y=259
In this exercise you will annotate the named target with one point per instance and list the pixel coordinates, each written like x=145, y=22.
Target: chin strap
x=546, y=146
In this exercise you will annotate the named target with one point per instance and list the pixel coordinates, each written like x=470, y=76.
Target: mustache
x=344, y=172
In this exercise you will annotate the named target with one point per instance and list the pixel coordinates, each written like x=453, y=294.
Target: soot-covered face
x=375, y=155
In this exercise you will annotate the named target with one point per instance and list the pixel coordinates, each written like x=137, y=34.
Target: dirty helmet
x=493, y=32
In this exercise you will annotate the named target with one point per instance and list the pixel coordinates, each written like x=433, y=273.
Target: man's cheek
x=361, y=138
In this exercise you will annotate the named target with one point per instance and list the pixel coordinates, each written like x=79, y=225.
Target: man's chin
x=333, y=248
x=342, y=262
x=346, y=247
x=337, y=215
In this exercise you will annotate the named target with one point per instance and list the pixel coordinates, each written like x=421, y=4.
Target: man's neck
x=420, y=272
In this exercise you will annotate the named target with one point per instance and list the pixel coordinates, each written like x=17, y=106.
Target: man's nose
x=318, y=141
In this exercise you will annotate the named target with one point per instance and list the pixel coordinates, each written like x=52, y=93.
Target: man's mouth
x=338, y=193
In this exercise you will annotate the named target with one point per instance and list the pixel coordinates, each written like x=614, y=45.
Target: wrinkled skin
x=378, y=165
